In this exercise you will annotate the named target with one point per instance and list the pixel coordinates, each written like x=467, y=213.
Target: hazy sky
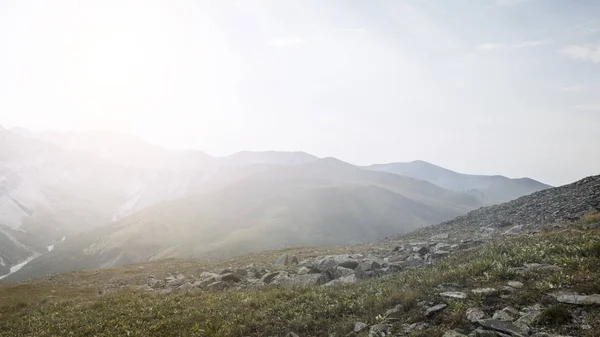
x=479, y=86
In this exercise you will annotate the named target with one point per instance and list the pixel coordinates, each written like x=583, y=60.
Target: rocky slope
x=557, y=204
x=491, y=189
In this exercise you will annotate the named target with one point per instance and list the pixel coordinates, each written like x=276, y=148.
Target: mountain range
x=85, y=200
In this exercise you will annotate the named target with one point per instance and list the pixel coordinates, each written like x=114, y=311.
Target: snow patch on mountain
x=18, y=267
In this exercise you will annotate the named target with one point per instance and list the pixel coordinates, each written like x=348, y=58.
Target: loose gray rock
x=379, y=330
x=443, y=236
x=440, y=253
x=303, y=271
x=286, y=259
x=268, y=277
x=421, y=250
x=343, y=280
x=485, y=291
x=186, y=287
x=502, y=326
x=516, y=284
x=360, y=326
x=154, y=283
x=434, y=309
x=474, y=314
x=574, y=298
x=231, y=277
x=219, y=285
x=454, y=294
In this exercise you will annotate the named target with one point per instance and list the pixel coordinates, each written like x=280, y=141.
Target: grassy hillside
x=111, y=302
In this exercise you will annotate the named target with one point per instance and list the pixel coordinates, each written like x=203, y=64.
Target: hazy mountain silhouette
x=493, y=189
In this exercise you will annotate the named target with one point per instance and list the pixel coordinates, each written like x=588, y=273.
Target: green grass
x=73, y=305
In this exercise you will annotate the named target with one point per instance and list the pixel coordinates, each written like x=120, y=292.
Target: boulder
x=341, y=271
x=231, y=277
x=343, y=280
x=422, y=250
x=286, y=259
x=268, y=277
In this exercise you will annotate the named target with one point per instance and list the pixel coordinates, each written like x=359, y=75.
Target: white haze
x=476, y=86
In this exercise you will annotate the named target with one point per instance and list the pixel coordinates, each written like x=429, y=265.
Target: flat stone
x=454, y=294
x=574, y=298
x=435, y=309
x=485, y=291
x=516, y=284
x=502, y=326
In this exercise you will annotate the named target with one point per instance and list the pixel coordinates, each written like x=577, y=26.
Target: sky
x=478, y=86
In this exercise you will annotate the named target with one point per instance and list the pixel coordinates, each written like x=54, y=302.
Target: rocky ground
x=530, y=267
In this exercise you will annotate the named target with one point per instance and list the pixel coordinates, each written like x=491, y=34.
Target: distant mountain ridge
x=85, y=192
x=319, y=203
x=494, y=188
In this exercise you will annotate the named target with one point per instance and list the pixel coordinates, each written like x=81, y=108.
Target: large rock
x=574, y=298
x=286, y=259
x=341, y=272
x=231, y=277
x=268, y=277
x=154, y=283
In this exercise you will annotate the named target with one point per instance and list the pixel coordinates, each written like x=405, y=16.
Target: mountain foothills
x=100, y=199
